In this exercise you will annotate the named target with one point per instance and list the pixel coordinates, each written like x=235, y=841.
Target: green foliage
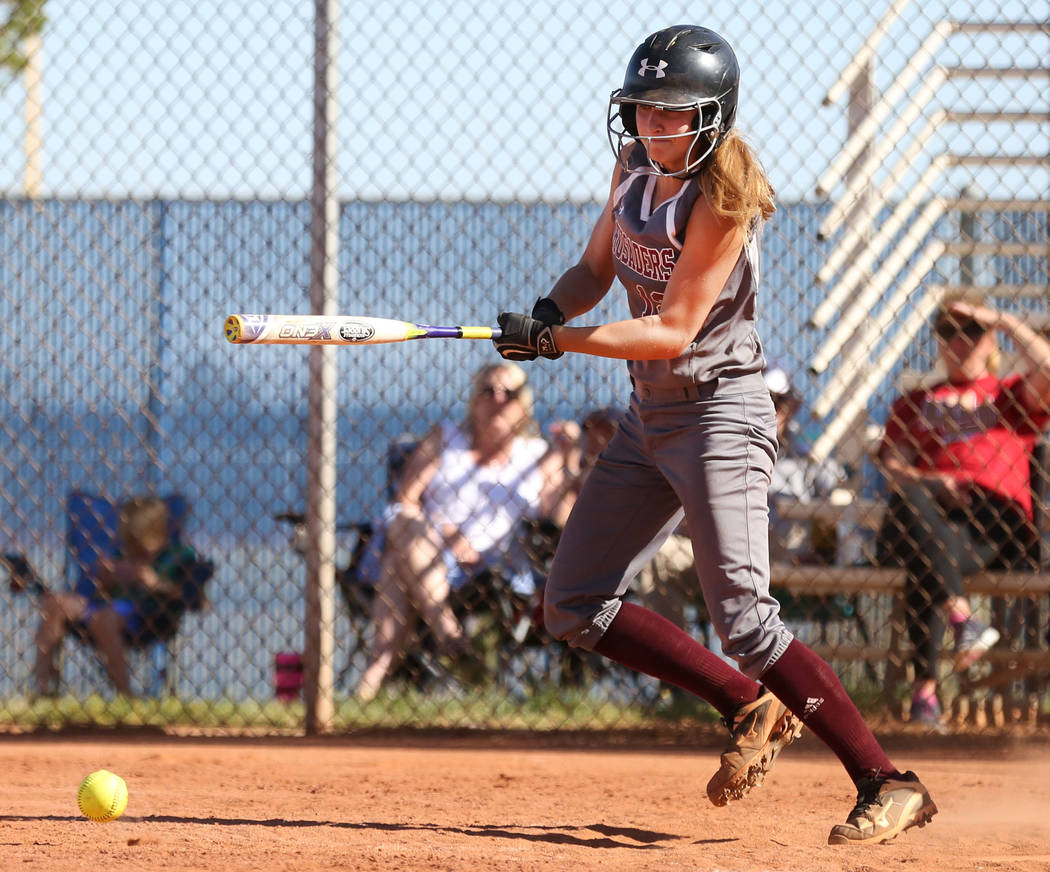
x=19, y=19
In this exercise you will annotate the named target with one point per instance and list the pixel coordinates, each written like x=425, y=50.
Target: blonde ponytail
x=735, y=184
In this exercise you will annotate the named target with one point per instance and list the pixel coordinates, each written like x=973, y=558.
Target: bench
x=826, y=580
x=984, y=699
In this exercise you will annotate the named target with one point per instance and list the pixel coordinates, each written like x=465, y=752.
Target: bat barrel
x=241, y=329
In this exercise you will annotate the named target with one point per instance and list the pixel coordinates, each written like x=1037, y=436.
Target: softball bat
x=339, y=330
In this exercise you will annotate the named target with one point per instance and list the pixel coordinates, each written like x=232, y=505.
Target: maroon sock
x=808, y=686
x=645, y=641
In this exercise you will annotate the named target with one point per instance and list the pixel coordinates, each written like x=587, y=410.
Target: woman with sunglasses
x=681, y=231
x=459, y=506
x=957, y=455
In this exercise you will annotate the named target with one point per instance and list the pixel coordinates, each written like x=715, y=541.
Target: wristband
x=547, y=311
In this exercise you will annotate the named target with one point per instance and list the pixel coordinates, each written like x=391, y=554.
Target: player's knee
x=553, y=619
x=565, y=623
x=579, y=621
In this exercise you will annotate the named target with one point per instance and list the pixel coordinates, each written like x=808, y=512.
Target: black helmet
x=680, y=67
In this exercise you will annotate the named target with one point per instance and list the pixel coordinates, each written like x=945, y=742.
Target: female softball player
x=681, y=231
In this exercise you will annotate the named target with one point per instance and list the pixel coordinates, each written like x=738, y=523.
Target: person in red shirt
x=957, y=456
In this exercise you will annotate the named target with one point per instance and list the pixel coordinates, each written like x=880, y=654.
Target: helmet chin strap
x=691, y=168
x=660, y=170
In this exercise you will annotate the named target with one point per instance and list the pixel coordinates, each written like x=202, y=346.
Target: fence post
x=321, y=424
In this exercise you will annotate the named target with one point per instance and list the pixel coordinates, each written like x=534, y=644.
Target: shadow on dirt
x=606, y=836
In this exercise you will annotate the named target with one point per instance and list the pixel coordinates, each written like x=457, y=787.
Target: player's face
x=667, y=134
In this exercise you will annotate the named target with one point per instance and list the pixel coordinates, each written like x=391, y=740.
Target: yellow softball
x=102, y=796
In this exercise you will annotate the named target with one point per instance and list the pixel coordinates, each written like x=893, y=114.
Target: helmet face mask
x=623, y=131
x=680, y=68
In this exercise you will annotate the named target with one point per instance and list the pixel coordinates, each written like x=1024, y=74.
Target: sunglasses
x=506, y=394
x=948, y=330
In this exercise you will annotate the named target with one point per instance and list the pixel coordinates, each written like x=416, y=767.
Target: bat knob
x=233, y=328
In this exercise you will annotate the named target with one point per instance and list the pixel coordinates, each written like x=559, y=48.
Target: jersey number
x=651, y=301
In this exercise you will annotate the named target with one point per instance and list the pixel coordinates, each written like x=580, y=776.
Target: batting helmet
x=681, y=67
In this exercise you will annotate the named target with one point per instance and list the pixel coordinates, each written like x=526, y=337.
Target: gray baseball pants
x=708, y=455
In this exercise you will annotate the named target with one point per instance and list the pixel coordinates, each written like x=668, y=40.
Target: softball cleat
x=886, y=807
x=758, y=732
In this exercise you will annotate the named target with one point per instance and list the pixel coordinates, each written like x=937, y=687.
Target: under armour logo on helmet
x=657, y=68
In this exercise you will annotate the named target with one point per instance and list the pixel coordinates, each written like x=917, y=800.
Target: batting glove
x=525, y=338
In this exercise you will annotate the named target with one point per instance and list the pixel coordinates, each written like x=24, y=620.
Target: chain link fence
x=162, y=179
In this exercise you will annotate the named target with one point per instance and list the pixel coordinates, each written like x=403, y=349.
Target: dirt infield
x=266, y=805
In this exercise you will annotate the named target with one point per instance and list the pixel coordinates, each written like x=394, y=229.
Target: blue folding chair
x=92, y=523
x=92, y=534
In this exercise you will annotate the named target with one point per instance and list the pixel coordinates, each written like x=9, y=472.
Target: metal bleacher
x=897, y=248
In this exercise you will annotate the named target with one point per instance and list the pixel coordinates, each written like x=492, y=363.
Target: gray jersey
x=647, y=240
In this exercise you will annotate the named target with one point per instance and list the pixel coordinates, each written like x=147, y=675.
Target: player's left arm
x=711, y=250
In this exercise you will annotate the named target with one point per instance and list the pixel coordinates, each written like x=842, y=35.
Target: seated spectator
x=138, y=592
x=956, y=455
x=797, y=478
x=459, y=509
